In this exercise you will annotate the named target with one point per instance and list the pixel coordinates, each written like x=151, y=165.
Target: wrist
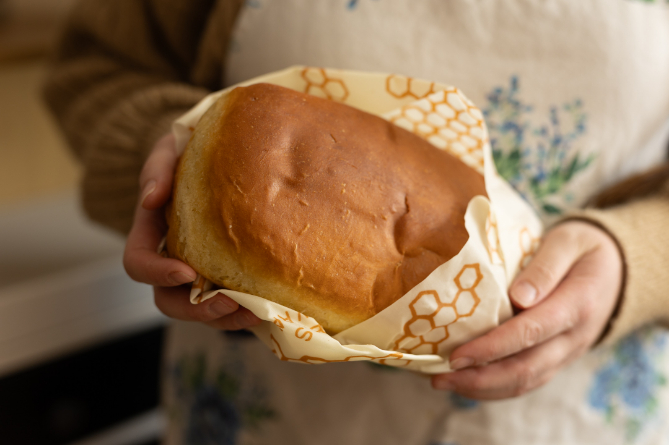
x=607, y=238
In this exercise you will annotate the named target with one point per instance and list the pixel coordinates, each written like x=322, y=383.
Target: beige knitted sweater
x=125, y=69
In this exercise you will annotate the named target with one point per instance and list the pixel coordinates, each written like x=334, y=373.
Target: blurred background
x=79, y=341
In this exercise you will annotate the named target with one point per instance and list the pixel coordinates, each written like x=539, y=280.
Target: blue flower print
x=625, y=387
x=604, y=386
x=462, y=402
x=214, y=420
x=538, y=156
x=352, y=4
x=216, y=404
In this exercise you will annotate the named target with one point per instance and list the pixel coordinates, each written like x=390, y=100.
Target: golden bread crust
x=315, y=205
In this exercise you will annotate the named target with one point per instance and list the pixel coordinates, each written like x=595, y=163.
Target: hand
x=168, y=276
x=568, y=292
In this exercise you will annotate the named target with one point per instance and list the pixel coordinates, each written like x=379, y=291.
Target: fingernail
x=524, y=293
x=444, y=385
x=462, y=362
x=180, y=278
x=222, y=307
x=148, y=189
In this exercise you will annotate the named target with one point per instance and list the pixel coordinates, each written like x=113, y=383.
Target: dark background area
x=96, y=376
x=70, y=398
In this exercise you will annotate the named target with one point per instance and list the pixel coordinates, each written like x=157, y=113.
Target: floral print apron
x=576, y=97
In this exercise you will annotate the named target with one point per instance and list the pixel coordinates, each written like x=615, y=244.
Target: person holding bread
x=577, y=112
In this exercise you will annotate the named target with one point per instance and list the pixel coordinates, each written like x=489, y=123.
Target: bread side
x=197, y=237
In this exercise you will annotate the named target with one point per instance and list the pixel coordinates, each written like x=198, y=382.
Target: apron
x=576, y=97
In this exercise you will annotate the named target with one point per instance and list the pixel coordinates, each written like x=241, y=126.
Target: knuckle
x=541, y=275
x=202, y=313
x=478, y=382
x=526, y=377
x=532, y=334
x=567, y=317
x=491, y=350
x=231, y=323
x=153, y=273
x=171, y=302
x=470, y=381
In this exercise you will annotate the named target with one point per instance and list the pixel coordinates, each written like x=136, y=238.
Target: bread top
x=316, y=205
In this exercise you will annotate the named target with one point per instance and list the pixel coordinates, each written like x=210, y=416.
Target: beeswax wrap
x=460, y=300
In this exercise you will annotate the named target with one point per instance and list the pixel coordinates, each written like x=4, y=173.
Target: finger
x=157, y=175
x=512, y=376
x=175, y=303
x=141, y=260
x=220, y=311
x=240, y=319
x=567, y=306
x=555, y=257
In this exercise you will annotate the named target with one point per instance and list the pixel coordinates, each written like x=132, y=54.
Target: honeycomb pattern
x=321, y=85
x=447, y=119
x=528, y=246
x=431, y=314
x=394, y=358
x=492, y=233
x=402, y=86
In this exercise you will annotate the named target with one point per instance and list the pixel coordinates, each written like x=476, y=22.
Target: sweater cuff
x=114, y=157
x=640, y=228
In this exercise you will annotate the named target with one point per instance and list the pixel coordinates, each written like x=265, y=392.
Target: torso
x=576, y=97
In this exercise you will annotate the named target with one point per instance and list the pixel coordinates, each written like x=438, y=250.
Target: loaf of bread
x=315, y=205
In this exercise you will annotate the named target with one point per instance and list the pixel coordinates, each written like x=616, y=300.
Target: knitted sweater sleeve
x=123, y=71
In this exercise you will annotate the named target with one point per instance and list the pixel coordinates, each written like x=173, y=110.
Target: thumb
x=557, y=253
x=158, y=173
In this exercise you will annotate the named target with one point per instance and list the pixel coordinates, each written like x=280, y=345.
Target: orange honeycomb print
x=401, y=86
x=447, y=119
x=321, y=85
x=394, y=358
x=528, y=246
x=492, y=233
x=432, y=314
